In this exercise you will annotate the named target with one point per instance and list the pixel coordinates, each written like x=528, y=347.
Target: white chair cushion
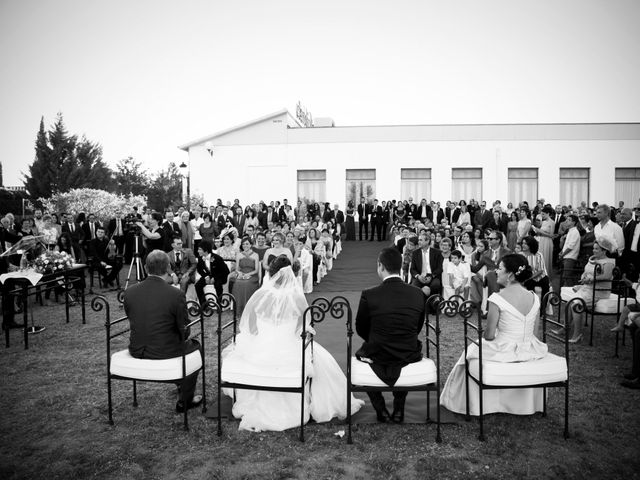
x=418, y=373
x=236, y=370
x=124, y=365
x=605, y=305
x=548, y=369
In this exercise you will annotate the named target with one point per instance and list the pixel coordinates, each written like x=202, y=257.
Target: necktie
x=119, y=228
x=71, y=227
x=93, y=233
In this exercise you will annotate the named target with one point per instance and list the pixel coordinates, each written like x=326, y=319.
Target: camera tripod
x=136, y=260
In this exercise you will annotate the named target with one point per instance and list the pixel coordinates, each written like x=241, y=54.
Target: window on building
x=312, y=186
x=574, y=186
x=466, y=183
x=360, y=183
x=415, y=183
x=523, y=185
x=627, y=186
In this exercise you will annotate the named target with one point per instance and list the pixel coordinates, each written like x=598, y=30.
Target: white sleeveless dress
x=514, y=342
x=278, y=347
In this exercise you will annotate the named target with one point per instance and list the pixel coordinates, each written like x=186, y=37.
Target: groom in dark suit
x=158, y=315
x=389, y=319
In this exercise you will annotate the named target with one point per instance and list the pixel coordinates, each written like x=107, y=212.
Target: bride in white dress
x=269, y=342
x=508, y=337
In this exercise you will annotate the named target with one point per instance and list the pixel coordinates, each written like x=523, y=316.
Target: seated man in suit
x=491, y=259
x=212, y=269
x=158, y=315
x=182, y=266
x=389, y=319
x=108, y=266
x=426, y=266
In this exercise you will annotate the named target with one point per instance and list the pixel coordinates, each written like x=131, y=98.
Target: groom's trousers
x=377, y=400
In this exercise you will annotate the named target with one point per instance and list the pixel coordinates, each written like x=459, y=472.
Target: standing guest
x=116, y=231
x=377, y=220
x=90, y=227
x=571, y=248
x=8, y=307
x=251, y=220
x=609, y=229
x=55, y=221
x=158, y=316
x=544, y=236
x=239, y=220
x=98, y=250
x=49, y=232
x=628, y=261
x=524, y=225
x=539, y=274
x=424, y=212
x=364, y=214
x=38, y=221
x=196, y=221
x=512, y=230
x=182, y=264
x=350, y=225
x=153, y=236
x=212, y=270
x=208, y=229
x=171, y=229
x=186, y=230
x=389, y=319
x=426, y=266
x=483, y=217
x=245, y=281
x=77, y=235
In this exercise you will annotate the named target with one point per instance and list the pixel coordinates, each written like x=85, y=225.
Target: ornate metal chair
x=122, y=366
x=419, y=376
x=550, y=371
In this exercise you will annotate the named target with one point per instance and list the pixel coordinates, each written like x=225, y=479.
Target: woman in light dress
x=277, y=249
x=269, y=340
x=524, y=225
x=228, y=252
x=508, y=337
x=465, y=218
x=512, y=230
x=245, y=278
x=544, y=235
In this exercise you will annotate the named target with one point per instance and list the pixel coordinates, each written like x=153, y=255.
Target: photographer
x=154, y=235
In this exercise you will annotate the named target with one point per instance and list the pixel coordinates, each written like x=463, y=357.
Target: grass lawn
x=54, y=423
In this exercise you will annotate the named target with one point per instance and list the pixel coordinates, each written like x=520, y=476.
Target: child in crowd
x=456, y=277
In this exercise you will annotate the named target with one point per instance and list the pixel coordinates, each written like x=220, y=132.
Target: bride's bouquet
x=52, y=262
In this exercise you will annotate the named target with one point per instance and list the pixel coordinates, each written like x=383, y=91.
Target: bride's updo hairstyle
x=518, y=265
x=279, y=263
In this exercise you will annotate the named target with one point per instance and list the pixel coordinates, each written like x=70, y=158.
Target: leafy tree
x=165, y=189
x=63, y=162
x=131, y=178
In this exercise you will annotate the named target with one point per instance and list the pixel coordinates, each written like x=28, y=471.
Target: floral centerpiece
x=52, y=262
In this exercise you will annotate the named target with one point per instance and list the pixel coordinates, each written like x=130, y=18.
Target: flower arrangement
x=52, y=262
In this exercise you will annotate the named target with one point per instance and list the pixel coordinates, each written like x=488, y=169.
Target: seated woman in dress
x=269, y=339
x=508, y=337
x=277, y=249
x=244, y=281
x=602, y=248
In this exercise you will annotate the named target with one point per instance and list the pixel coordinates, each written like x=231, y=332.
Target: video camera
x=130, y=224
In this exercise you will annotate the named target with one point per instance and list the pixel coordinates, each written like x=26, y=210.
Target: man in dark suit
x=224, y=219
x=377, y=220
x=90, y=227
x=438, y=212
x=116, y=231
x=423, y=212
x=98, y=251
x=411, y=209
x=239, y=220
x=491, y=259
x=629, y=260
x=212, y=270
x=483, y=217
x=426, y=266
x=452, y=212
x=75, y=231
x=338, y=217
x=8, y=310
x=389, y=319
x=182, y=264
x=364, y=210
x=158, y=315
x=170, y=229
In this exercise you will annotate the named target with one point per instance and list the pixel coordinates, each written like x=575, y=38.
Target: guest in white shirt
x=609, y=229
x=571, y=248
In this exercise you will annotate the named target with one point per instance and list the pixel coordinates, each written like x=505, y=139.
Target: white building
x=275, y=157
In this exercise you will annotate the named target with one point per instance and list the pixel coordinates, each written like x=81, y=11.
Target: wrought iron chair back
x=116, y=328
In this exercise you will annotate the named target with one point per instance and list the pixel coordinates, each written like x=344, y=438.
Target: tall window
x=574, y=186
x=360, y=183
x=523, y=185
x=415, y=183
x=627, y=186
x=312, y=185
x=466, y=183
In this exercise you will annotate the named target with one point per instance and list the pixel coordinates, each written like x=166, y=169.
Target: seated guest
x=631, y=312
x=456, y=276
x=426, y=266
x=508, y=337
x=491, y=258
x=407, y=253
x=106, y=265
x=212, y=270
x=389, y=319
x=158, y=315
x=182, y=264
x=277, y=249
x=539, y=274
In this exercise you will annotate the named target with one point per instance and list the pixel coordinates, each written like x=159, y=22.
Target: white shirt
x=571, y=247
x=612, y=231
x=426, y=264
x=634, y=241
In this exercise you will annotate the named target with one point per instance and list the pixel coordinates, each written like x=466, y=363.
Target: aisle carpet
x=354, y=271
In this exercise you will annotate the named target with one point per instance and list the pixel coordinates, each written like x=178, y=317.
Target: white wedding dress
x=269, y=344
x=514, y=342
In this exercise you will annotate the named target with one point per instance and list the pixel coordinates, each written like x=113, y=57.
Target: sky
x=141, y=77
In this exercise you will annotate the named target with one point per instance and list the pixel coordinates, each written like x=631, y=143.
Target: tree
x=131, y=178
x=63, y=162
x=165, y=189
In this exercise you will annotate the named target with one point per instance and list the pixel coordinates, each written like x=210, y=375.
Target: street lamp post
x=187, y=168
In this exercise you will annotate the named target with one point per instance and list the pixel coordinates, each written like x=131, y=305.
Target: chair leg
x=135, y=394
x=544, y=401
x=481, y=437
x=110, y=400
x=302, y=413
x=566, y=410
x=204, y=391
x=349, y=439
x=428, y=406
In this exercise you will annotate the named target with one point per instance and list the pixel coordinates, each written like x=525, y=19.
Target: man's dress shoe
x=383, y=415
x=630, y=376
x=398, y=415
x=633, y=384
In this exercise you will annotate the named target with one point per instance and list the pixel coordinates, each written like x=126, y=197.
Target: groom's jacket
x=389, y=319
